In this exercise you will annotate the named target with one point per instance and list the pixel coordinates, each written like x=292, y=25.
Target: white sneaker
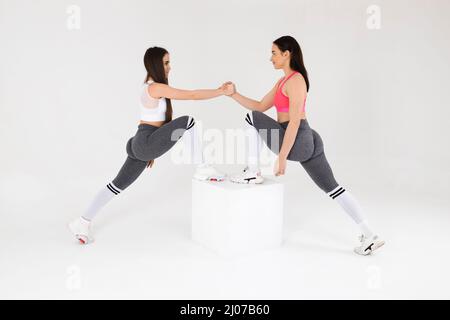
x=208, y=173
x=247, y=176
x=368, y=245
x=80, y=228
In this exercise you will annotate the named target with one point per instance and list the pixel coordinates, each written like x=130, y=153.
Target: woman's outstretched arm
x=263, y=105
x=161, y=90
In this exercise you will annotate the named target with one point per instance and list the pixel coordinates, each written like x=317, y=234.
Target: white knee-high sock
x=100, y=199
x=253, y=144
x=194, y=144
x=348, y=202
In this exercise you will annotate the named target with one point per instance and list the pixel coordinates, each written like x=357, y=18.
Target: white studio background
x=379, y=97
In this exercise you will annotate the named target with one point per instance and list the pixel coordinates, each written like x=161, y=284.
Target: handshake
x=228, y=88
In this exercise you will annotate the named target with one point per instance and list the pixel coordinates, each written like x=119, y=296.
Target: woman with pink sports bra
x=291, y=137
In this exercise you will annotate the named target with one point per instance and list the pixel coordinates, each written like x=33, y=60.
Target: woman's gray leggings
x=308, y=147
x=149, y=143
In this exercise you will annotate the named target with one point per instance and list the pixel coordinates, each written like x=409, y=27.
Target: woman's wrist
x=282, y=155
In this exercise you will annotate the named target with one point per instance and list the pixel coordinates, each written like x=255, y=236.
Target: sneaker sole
x=375, y=246
x=208, y=178
x=253, y=181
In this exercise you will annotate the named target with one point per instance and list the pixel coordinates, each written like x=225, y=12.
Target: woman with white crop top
x=157, y=133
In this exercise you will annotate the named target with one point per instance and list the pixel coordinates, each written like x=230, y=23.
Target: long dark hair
x=289, y=43
x=153, y=61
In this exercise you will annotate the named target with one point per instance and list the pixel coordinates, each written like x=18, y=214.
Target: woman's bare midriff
x=153, y=123
x=284, y=116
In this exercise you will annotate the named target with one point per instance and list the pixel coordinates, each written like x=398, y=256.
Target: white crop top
x=152, y=109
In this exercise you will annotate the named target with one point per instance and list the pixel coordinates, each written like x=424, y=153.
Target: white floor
x=143, y=249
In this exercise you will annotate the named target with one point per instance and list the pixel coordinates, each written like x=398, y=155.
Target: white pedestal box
x=232, y=218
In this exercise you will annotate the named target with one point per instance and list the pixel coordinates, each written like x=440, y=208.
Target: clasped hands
x=228, y=88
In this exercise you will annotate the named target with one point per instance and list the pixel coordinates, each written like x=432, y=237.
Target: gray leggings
x=149, y=143
x=308, y=148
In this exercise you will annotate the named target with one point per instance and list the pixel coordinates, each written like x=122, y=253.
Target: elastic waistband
x=303, y=124
x=147, y=126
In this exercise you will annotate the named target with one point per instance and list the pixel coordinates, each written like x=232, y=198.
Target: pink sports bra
x=281, y=101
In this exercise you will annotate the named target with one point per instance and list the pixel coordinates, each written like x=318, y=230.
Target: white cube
x=232, y=218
